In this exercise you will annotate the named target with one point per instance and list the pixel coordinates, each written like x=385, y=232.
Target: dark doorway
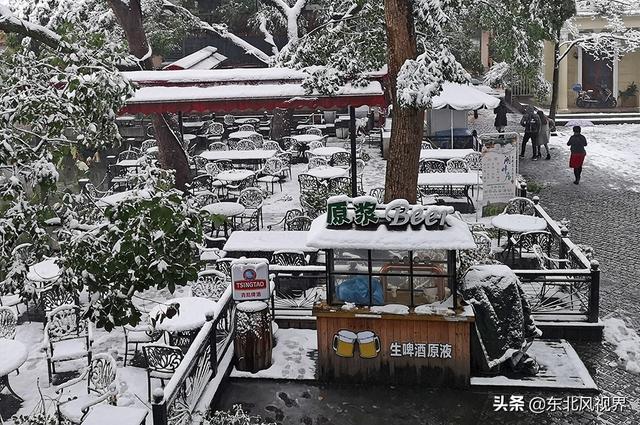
x=596, y=73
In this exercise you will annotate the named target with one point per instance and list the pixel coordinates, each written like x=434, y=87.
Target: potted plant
x=630, y=95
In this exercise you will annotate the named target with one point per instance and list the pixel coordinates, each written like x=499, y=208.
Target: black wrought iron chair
x=378, y=193
x=341, y=159
x=8, y=323
x=223, y=265
x=66, y=337
x=100, y=377
x=520, y=205
x=210, y=284
x=251, y=199
x=54, y=296
x=271, y=173
x=245, y=145
x=289, y=258
x=457, y=165
x=218, y=146
x=162, y=362
x=340, y=186
x=246, y=127
x=300, y=223
x=142, y=333
x=432, y=166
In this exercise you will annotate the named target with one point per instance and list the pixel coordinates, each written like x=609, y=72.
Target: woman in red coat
x=577, y=143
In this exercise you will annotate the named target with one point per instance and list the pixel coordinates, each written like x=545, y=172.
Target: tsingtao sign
x=250, y=279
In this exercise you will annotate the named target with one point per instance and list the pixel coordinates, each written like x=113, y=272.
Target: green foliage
x=630, y=91
x=143, y=243
x=492, y=209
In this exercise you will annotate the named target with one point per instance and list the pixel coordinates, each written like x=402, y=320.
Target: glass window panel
x=355, y=289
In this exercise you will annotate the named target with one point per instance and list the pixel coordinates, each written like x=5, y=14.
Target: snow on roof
x=291, y=92
x=463, y=97
x=455, y=236
x=215, y=76
x=206, y=58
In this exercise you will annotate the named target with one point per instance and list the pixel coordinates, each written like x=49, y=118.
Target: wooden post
x=352, y=138
x=159, y=408
x=594, y=298
x=253, y=341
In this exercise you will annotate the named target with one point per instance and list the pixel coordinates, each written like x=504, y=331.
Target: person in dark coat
x=531, y=124
x=501, y=116
x=577, y=143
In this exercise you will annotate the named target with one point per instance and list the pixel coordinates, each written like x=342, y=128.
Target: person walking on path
x=501, y=116
x=577, y=143
x=544, y=134
x=531, y=124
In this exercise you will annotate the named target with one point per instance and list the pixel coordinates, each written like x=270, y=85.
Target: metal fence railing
x=208, y=357
x=569, y=292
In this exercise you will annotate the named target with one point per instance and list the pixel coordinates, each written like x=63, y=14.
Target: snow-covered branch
x=268, y=37
x=219, y=29
x=10, y=23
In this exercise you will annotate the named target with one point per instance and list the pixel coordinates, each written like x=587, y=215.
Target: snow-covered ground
x=612, y=147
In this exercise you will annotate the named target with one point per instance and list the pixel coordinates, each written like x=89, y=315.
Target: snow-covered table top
x=13, y=354
x=193, y=124
x=246, y=121
x=129, y=163
x=189, y=137
x=319, y=126
x=327, y=150
x=234, y=175
x=228, y=209
x=276, y=240
x=44, y=271
x=327, y=172
x=444, y=154
x=238, y=155
x=242, y=134
x=518, y=223
x=307, y=138
x=458, y=179
x=192, y=314
x=104, y=414
x=118, y=197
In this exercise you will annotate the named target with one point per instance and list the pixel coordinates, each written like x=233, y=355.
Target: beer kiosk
x=391, y=315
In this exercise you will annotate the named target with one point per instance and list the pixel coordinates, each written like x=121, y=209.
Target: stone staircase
x=599, y=118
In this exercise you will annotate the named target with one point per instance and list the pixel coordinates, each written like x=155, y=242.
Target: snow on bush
x=626, y=343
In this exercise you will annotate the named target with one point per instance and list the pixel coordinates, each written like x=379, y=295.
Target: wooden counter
x=360, y=346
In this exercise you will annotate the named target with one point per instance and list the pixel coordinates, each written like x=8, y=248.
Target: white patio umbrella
x=462, y=97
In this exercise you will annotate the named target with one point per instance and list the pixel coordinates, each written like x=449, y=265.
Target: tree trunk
x=253, y=341
x=170, y=152
x=406, y=132
x=556, y=79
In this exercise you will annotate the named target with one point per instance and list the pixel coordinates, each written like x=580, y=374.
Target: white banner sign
x=499, y=168
x=250, y=279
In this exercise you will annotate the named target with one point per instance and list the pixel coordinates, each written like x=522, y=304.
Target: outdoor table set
x=185, y=325
x=227, y=209
x=517, y=223
x=450, y=184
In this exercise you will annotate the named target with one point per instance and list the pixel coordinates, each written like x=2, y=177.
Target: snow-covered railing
x=570, y=292
x=204, y=364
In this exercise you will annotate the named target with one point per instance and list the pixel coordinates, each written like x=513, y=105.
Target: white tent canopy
x=463, y=97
